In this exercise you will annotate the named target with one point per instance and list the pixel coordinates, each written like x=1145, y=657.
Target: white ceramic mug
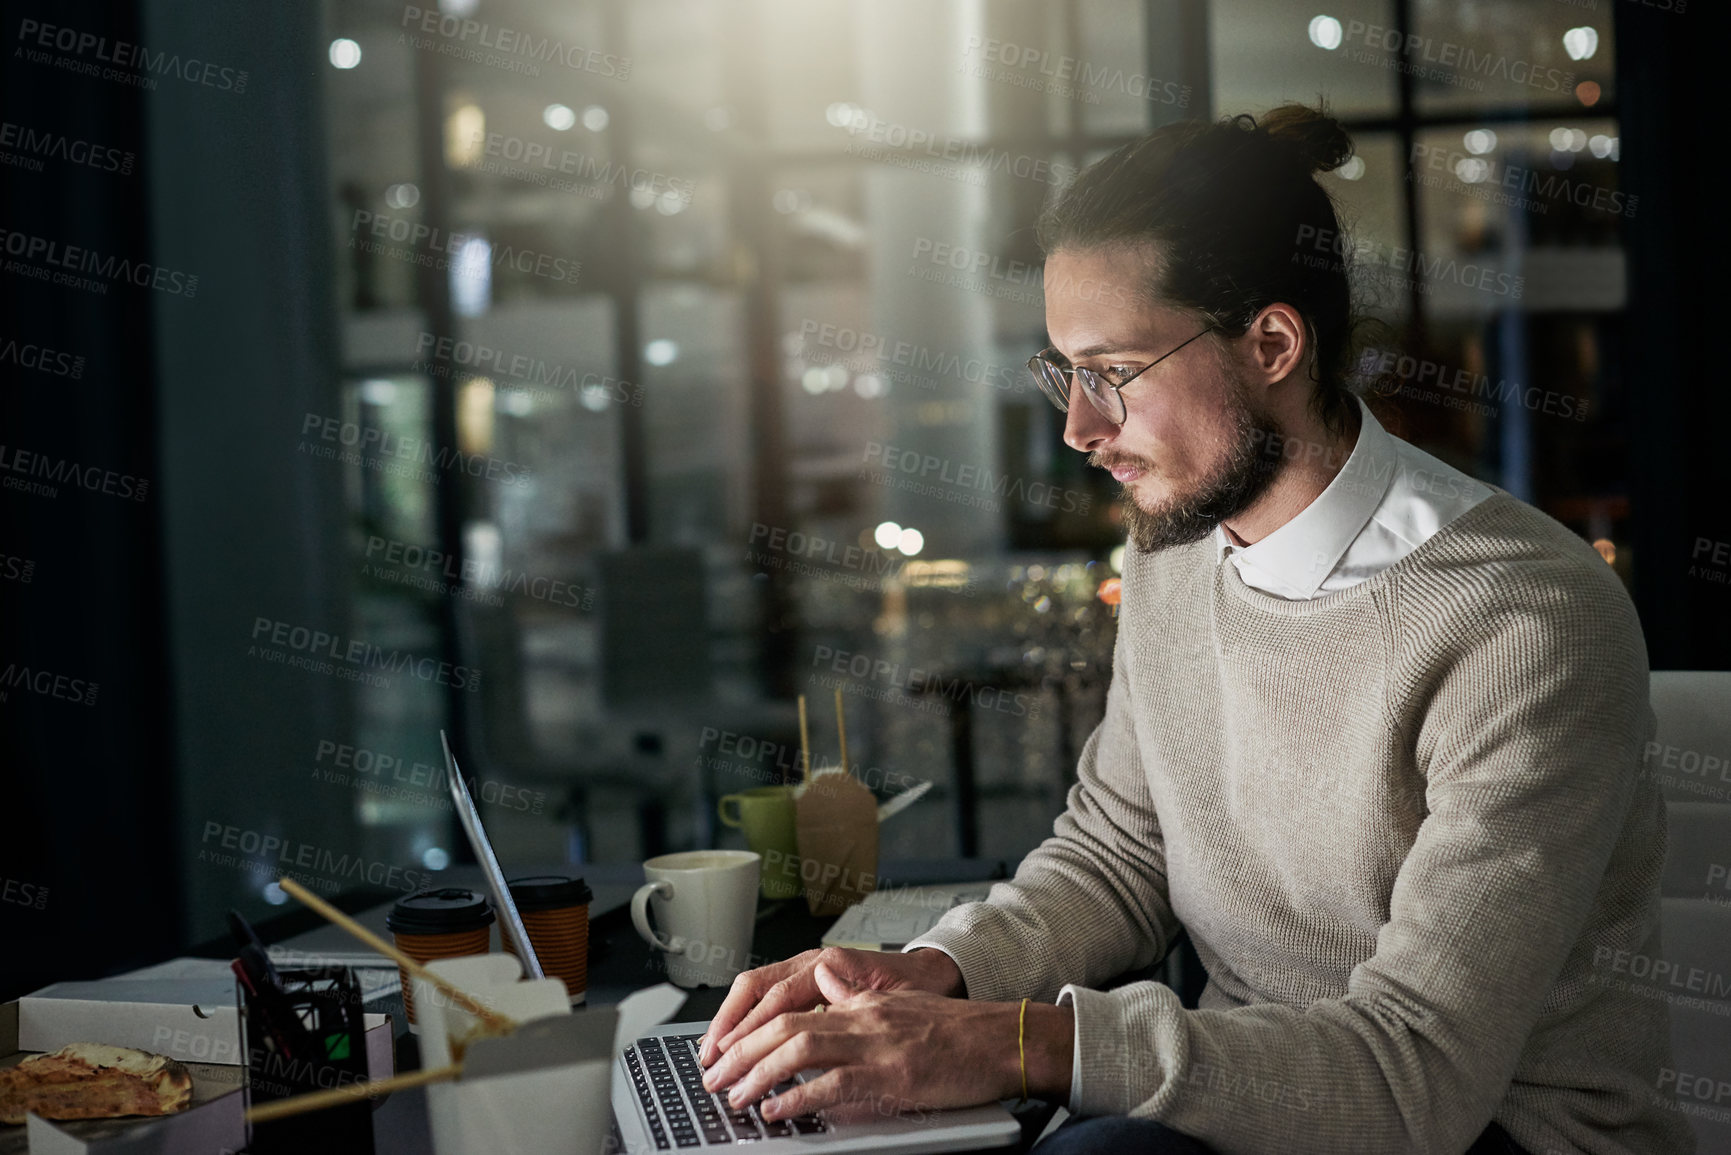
x=705, y=902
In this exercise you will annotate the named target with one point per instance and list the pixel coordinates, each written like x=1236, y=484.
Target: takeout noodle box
x=193, y=1021
x=537, y=1090
x=544, y=1088
x=837, y=822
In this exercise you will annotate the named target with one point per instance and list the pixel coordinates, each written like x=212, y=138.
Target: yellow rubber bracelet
x=1022, y=1047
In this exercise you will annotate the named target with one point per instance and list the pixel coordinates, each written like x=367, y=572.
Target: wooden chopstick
x=456, y=994
x=804, y=744
x=337, y=1096
x=841, y=728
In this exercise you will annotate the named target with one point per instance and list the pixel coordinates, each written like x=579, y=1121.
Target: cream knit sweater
x=1397, y=820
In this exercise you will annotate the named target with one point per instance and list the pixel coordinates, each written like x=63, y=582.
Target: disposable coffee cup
x=555, y=912
x=435, y=924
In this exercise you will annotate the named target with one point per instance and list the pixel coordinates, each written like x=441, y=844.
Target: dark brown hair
x=1237, y=221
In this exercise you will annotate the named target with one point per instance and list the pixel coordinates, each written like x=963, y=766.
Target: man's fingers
x=857, y=1107
x=796, y=992
x=742, y=1056
x=843, y=1094
x=833, y=985
x=807, y=1098
x=801, y=1050
x=747, y=990
x=741, y=997
x=759, y=995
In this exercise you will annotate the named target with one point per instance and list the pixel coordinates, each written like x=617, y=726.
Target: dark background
x=105, y=805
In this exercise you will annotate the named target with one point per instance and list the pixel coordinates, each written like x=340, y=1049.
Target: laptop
x=660, y=1105
x=510, y=921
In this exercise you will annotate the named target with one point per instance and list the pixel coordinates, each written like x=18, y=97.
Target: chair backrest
x=1691, y=753
x=1690, y=757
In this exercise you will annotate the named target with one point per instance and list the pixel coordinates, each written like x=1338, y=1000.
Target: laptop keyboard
x=668, y=1079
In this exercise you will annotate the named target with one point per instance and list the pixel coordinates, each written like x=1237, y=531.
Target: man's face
x=1191, y=450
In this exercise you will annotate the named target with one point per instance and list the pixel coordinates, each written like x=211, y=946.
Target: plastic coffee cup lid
x=448, y=910
x=549, y=892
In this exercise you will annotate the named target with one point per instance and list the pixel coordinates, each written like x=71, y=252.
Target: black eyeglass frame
x=1094, y=385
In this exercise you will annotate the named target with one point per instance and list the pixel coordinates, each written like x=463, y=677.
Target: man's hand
x=890, y=1051
x=760, y=995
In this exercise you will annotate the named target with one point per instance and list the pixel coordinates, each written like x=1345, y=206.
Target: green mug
x=766, y=816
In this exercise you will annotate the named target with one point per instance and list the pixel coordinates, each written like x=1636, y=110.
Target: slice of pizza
x=94, y=1081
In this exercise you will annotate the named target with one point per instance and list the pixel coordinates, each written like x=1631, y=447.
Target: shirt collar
x=1302, y=553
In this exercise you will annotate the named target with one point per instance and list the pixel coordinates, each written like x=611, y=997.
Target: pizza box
x=193, y=1021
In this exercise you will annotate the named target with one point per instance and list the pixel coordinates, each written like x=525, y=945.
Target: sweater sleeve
x=1529, y=747
x=1104, y=868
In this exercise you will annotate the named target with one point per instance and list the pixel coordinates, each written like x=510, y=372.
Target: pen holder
x=310, y=1037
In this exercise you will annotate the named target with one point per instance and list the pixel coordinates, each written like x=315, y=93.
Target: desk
x=619, y=962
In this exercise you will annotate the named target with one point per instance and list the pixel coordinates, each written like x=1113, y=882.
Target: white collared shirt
x=1385, y=502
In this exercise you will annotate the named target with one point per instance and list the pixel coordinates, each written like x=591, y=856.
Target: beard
x=1251, y=463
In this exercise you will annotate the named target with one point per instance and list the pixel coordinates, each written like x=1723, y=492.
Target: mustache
x=1101, y=460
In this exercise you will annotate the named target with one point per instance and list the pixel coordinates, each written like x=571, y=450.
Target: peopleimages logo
x=442, y=249
x=839, y=553
x=535, y=155
x=876, y=349
x=261, y=853
x=1709, y=560
x=922, y=688
x=467, y=574
x=1445, y=160
x=977, y=261
x=512, y=49
x=369, y=439
x=23, y=893
x=969, y=478
x=46, y=684
x=60, y=264
x=1069, y=76
x=1460, y=65
x=447, y=356
x=35, y=145
x=394, y=777
x=903, y=142
x=350, y=657
x=1663, y=971
x=1334, y=251
x=35, y=35
x=1422, y=379
x=59, y=471
x=54, y=362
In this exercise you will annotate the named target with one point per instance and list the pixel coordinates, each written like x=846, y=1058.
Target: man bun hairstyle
x=1316, y=138
x=1237, y=221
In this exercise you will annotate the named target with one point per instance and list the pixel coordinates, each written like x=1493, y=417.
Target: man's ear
x=1278, y=341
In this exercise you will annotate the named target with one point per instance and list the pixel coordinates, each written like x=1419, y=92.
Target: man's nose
x=1085, y=427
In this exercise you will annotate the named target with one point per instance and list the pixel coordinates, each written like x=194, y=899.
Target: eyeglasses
x=1107, y=396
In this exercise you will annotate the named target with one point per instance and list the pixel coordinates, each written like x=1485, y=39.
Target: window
x=725, y=315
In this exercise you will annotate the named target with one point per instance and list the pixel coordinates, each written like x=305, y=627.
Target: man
x=1372, y=738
